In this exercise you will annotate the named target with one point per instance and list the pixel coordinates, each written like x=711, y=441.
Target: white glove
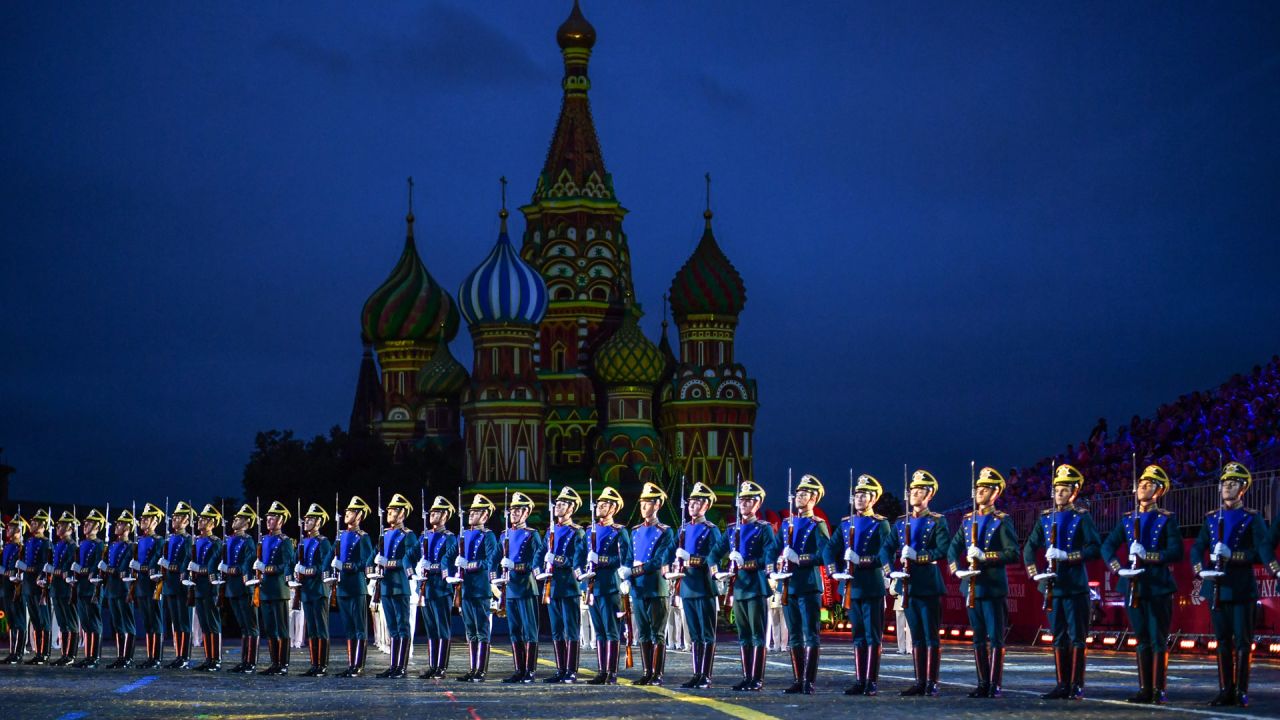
x=1130, y=572
x=624, y=572
x=548, y=557
x=335, y=563
x=1054, y=553
x=297, y=569
x=790, y=554
x=851, y=555
x=593, y=557
x=909, y=553
x=192, y=567
x=1220, y=550
x=259, y=565
x=75, y=567
x=459, y=562
x=1136, y=549
x=1043, y=576
x=421, y=567
x=380, y=560
x=624, y=587
x=841, y=576
x=507, y=563
x=47, y=568
x=973, y=553
x=682, y=554
x=163, y=563
x=736, y=558
x=452, y=580
x=95, y=580
x=222, y=567
x=102, y=565
x=135, y=565
x=21, y=566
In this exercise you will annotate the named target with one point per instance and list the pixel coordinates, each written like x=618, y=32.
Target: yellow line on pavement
x=730, y=709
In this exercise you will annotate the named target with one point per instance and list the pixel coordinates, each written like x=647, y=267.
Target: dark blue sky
x=967, y=231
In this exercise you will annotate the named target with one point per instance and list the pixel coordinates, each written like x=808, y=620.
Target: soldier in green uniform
x=566, y=554
x=859, y=556
x=395, y=560
x=61, y=582
x=146, y=578
x=804, y=541
x=315, y=553
x=608, y=558
x=11, y=589
x=522, y=550
x=36, y=553
x=116, y=592
x=1069, y=539
x=477, y=557
x=696, y=547
x=929, y=541
x=88, y=609
x=439, y=549
x=653, y=548
x=1153, y=543
x=276, y=558
x=202, y=569
x=750, y=546
x=353, y=556
x=982, y=548
x=1234, y=537
x=177, y=554
x=238, y=555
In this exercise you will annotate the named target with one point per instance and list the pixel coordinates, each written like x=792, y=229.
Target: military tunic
x=36, y=553
x=439, y=549
x=147, y=553
x=314, y=555
x=60, y=591
x=87, y=607
x=206, y=554
x=698, y=587
x=479, y=557
x=115, y=592
x=524, y=547
x=177, y=553
x=924, y=589
x=1155, y=587
x=1076, y=536
x=1243, y=531
x=400, y=548
x=239, y=552
x=354, y=555
x=654, y=548
x=15, y=610
x=612, y=545
x=758, y=545
x=567, y=544
x=870, y=537
x=278, y=557
x=998, y=541
x=808, y=537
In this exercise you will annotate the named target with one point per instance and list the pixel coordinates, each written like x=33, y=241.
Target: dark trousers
x=121, y=614
x=750, y=617
x=803, y=614
x=37, y=612
x=604, y=611
x=175, y=608
x=354, y=611
x=65, y=612
x=522, y=619
x=475, y=619
x=989, y=618
x=209, y=614
x=246, y=615
x=395, y=608
x=1233, y=623
x=316, y=614
x=435, y=617
x=866, y=615
x=275, y=619
x=1150, y=622
x=565, y=615
x=700, y=619
x=90, y=614
x=151, y=615
x=924, y=617
x=650, y=616
x=1069, y=619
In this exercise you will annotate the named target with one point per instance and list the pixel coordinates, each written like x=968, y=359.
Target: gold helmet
x=650, y=491
x=1157, y=475
x=182, y=508
x=749, y=489
x=277, y=508
x=21, y=522
x=519, y=499
x=96, y=515
x=480, y=502
x=990, y=477
x=247, y=513
x=41, y=515
x=813, y=484
x=126, y=517
x=610, y=495
x=868, y=484
x=700, y=490
x=149, y=510
x=211, y=512
x=316, y=511
x=571, y=496
x=923, y=479
x=1235, y=471
x=400, y=501
x=1069, y=475
x=442, y=503
x=358, y=504
x=68, y=518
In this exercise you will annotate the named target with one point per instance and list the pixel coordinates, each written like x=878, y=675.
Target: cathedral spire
x=409, y=218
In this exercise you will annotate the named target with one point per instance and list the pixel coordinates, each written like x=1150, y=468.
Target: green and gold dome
x=410, y=304
x=443, y=375
x=628, y=357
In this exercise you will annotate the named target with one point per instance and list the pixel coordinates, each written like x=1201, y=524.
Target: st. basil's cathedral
x=564, y=384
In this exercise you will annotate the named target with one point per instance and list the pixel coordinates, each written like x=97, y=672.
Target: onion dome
x=575, y=31
x=409, y=305
x=628, y=357
x=708, y=282
x=504, y=288
x=443, y=375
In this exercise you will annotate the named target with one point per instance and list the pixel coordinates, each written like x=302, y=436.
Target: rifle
x=1217, y=565
x=132, y=576
x=47, y=577
x=625, y=603
x=973, y=536
x=906, y=539
x=164, y=549
x=218, y=579
x=70, y=579
x=422, y=582
x=1137, y=536
x=332, y=575
x=296, y=604
x=506, y=552
x=462, y=552
x=590, y=574
x=551, y=544
x=737, y=542
x=684, y=524
x=256, y=582
x=1053, y=564
x=784, y=566
x=377, y=574
x=96, y=597
x=848, y=543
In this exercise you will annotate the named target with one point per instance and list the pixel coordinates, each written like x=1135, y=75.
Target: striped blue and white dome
x=503, y=289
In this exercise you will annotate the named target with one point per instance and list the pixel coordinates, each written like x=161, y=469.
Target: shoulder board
x=1079, y=510
x=1251, y=511
x=660, y=526
x=902, y=517
x=846, y=518
x=817, y=519
x=999, y=514
x=573, y=526
x=934, y=514
x=1211, y=513
x=1047, y=512
x=873, y=516
x=1162, y=511
x=968, y=515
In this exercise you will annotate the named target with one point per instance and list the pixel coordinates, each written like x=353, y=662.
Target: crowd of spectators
x=1190, y=438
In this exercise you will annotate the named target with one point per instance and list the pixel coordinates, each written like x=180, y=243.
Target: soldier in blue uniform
x=87, y=556
x=10, y=589
x=477, y=557
x=930, y=540
x=804, y=540
x=608, y=558
x=314, y=557
x=238, y=554
x=566, y=554
x=353, y=556
x=751, y=547
x=859, y=556
x=174, y=560
x=982, y=548
x=112, y=569
x=522, y=549
x=276, y=558
x=696, y=556
x=439, y=549
x=654, y=546
x=202, y=569
x=61, y=582
x=1074, y=541
x=395, y=560
x=1234, y=537
x=1154, y=544
x=146, y=579
x=36, y=553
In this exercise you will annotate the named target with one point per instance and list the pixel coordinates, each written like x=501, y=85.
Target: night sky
x=966, y=231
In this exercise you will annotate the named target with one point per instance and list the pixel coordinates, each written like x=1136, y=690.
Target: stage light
x=1046, y=638
x=942, y=633
x=1131, y=642
x=1187, y=644
x=1089, y=640
x=968, y=633
x=1274, y=648
x=1212, y=645
x=1110, y=640
x=892, y=629
x=955, y=633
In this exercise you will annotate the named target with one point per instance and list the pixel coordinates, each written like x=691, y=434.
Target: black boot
x=797, y=671
x=117, y=638
x=472, y=649
x=313, y=654
x=1144, y=660
x=1244, y=659
x=935, y=669
x=154, y=641
x=613, y=662
x=873, y=671
x=811, y=668
x=983, y=664
x=128, y=652
x=432, y=667
x=919, y=661
x=1226, y=677
x=757, y=670
x=1062, y=667
x=64, y=658
x=747, y=654
x=215, y=652
x=40, y=658
x=395, y=671
x=530, y=662
x=273, y=647
x=244, y=655
x=482, y=662
x=443, y=649
x=571, y=666
x=1160, y=676
x=12, y=657
x=646, y=658
x=859, y=685
x=1077, y=673
x=90, y=661
x=560, y=649
x=602, y=662
x=518, y=655
x=251, y=661
x=659, y=663
x=997, y=672
x=696, y=678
